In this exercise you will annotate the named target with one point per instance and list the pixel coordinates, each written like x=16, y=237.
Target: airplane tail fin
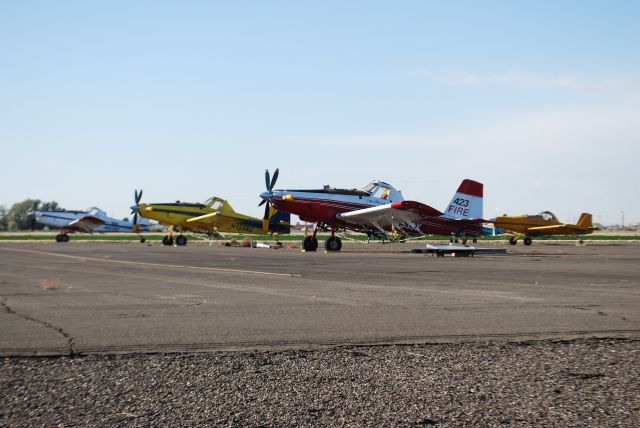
x=585, y=221
x=467, y=201
x=279, y=221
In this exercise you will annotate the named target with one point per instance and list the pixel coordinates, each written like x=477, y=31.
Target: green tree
x=18, y=218
x=3, y=217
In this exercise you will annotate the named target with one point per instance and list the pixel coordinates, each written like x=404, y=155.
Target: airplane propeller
x=137, y=196
x=34, y=208
x=270, y=182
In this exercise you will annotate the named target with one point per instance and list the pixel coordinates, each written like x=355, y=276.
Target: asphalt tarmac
x=106, y=298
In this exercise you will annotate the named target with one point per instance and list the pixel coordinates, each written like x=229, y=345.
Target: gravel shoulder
x=546, y=383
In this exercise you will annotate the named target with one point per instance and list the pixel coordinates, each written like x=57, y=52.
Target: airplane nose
x=266, y=195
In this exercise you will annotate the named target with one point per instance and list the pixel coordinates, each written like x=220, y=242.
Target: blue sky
x=540, y=101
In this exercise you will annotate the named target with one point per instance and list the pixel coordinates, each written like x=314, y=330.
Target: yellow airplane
x=211, y=217
x=543, y=224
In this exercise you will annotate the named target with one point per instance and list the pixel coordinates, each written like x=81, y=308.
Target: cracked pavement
x=82, y=298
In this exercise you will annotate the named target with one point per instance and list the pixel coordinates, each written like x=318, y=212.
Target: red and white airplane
x=379, y=209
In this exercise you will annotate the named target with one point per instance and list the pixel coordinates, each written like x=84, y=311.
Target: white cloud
x=450, y=77
x=567, y=160
x=524, y=79
x=52, y=164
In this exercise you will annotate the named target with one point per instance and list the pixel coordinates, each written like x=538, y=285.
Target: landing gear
x=167, y=240
x=333, y=244
x=142, y=240
x=513, y=241
x=526, y=241
x=181, y=240
x=310, y=243
x=475, y=240
x=62, y=237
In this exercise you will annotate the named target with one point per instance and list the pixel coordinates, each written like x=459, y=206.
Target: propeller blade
x=273, y=180
x=137, y=196
x=135, y=217
x=266, y=178
x=266, y=212
x=262, y=202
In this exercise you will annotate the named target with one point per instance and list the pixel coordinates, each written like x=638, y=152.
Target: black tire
x=181, y=241
x=64, y=238
x=167, y=240
x=333, y=244
x=143, y=240
x=310, y=244
x=475, y=240
x=527, y=241
x=59, y=238
x=513, y=241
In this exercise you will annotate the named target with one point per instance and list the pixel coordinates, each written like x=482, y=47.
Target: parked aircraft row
x=378, y=210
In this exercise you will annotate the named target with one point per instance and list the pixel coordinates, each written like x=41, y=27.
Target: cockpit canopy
x=96, y=212
x=382, y=190
x=547, y=216
x=214, y=202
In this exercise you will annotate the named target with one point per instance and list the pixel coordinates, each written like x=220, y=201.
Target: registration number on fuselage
x=242, y=227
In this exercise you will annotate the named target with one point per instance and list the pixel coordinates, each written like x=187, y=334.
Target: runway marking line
x=251, y=272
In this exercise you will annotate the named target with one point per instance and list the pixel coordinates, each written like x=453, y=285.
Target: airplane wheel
x=513, y=241
x=310, y=244
x=167, y=240
x=59, y=238
x=65, y=237
x=527, y=241
x=143, y=240
x=475, y=240
x=181, y=241
x=333, y=244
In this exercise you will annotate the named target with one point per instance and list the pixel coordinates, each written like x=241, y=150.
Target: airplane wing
x=559, y=229
x=87, y=224
x=207, y=221
x=213, y=220
x=384, y=215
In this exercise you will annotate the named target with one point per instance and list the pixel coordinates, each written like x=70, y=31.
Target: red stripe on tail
x=470, y=187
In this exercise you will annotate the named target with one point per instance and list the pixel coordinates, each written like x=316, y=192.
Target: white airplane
x=90, y=221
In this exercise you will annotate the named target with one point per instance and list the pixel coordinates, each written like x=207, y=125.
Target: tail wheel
x=333, y=244
x=181, y=240
x=310, y=244
x=167, y=240
x=527, y=241
x=513, y=241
